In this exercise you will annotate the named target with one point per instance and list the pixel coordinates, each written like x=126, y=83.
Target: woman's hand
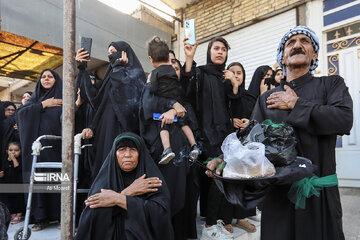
x=229, y=75
x=244, y=123
x=189, y=54
x=189, y=49
x=2, y=174
x=142, y=185
x=168, y=117
x=106, y=198
x=124, y=57
x=16, y=127
x=263, y=87
x=87, y=133
x=180, y=110
x=51, y=102
x=79, y=100
x=237, y=122
x=240, y=123
x=81, y=55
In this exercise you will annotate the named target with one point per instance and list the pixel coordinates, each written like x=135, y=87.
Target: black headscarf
x=7, y=132
x=214, y=107
x=40, y=94
x=242, y=85
x=147, y=216
x=8, y=103
x=260, y=72
x=123, y=83
x=273, y=76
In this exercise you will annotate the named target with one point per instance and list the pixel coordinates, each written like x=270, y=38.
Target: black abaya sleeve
x=333, y=117
x=189, y=83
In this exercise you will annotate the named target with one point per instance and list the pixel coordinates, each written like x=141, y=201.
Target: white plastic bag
x=247, y=161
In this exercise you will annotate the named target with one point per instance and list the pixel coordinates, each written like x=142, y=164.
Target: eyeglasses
x=9, y=110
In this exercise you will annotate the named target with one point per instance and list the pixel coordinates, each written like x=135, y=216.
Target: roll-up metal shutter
x=255, y=45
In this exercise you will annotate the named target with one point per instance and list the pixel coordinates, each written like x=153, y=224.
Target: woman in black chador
x=115, y=99
x=41, y=116
x=129, y=198
x=211, y=91
x=257, y=85
x=242, y=106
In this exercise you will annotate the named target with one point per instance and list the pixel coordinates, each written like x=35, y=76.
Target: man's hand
x=284, y=100
x=217, y=164
x=142, y=185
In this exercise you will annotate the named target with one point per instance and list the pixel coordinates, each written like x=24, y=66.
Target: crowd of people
x=144, y=129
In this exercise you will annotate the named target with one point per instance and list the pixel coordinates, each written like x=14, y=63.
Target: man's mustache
x=297, y=51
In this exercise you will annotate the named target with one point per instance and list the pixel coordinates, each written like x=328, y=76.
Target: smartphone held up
x=190, y=31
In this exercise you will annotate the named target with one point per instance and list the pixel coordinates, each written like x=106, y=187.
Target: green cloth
x=271, y=123
x=309, y=186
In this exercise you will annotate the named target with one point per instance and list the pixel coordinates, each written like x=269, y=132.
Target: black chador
x=115, y=101
x=210, y=95
x=147, y=216
x=35, y=121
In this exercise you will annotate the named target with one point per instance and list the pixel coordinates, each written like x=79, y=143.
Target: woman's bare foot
x=229, y=228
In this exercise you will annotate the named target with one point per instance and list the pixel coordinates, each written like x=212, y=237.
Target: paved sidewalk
x=350, y=199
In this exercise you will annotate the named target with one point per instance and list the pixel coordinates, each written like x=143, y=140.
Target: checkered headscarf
x=294, y=31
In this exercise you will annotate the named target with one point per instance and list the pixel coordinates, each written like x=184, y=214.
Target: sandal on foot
x=246, y=225
x=39, y=226
x=229, y=228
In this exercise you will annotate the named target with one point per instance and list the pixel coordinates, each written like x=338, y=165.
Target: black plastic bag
x=280, y=143
x=279, y=140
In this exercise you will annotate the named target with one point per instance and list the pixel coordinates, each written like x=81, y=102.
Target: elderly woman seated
x=128, y=199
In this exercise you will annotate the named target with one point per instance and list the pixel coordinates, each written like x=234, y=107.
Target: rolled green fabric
x=309, y=186
x=272, y=124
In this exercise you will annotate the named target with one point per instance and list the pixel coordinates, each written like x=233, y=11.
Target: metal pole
x=68, y=119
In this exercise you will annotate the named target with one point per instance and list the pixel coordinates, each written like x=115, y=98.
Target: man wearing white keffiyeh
x=295, y=31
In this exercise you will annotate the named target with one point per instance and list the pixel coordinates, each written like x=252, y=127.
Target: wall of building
x=147, y=16
x=215, y=16
x=42, y=20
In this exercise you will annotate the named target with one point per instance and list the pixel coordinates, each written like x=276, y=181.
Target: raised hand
x=81, y=55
